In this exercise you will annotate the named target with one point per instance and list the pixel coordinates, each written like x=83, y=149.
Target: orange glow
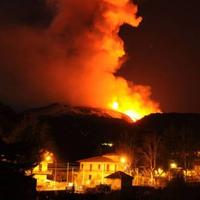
x=134, y=108
x=115, y=105
x=123, y=160
x=90, y=76
x=125, y=97
x=48, y=156
x=77, y=57
x=173, y=165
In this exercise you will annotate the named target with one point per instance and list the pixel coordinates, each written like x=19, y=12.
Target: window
x=115, y=168
x=40, y=167
x=108, y=167
x=90, y=167
x=90, y=177
x=82, y=166
x=99, y=167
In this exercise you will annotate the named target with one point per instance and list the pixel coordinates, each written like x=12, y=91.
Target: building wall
x=93, y=173
x=114, y=183
x=116, y=158
x=42, y=167
x=40, y=174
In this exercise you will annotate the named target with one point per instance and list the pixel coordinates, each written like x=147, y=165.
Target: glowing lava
x=126, y=109
x=126, y=97
x=133, y=109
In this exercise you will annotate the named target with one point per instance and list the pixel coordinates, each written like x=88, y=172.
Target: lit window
x=82, y=166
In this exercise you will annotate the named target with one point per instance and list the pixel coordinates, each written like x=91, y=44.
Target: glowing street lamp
x=48, y=157
x=123, y=160
x=173, y=165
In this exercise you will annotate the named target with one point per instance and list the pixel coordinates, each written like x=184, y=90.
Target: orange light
x=173, y=165
x=115, y=105
x=134, y=108
x=133, y=115
x=48, y=157
x=160, y=170
x=123, y=160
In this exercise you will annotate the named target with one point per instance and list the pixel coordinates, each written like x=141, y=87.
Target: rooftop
x=97, y=159
x=118, y=175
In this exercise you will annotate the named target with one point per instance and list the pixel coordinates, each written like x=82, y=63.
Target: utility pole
x=55, y=174
x=73, y=175
x=83, y=175
x=67, y=179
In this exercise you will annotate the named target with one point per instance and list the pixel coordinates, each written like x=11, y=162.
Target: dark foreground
x=14, y=186
x=182, y=192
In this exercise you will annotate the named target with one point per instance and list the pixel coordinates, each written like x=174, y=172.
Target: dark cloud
x=25, y=12
x=164, y=53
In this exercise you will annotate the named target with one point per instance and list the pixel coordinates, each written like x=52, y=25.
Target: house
x=49, y=174
x=40, y=173
x=119, y=181
x=94, y=170
x=52, y=175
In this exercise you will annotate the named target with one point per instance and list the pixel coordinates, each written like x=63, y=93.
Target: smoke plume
x=73, y=59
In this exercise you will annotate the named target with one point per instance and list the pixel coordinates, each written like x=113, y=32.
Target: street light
x=123, y=160
x=173, y=165
x=48, y=157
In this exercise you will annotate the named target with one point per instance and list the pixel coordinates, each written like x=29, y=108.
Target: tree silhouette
x=26, y=143
x=150, y=152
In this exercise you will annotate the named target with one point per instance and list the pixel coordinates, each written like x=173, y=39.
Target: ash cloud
x=64, y=51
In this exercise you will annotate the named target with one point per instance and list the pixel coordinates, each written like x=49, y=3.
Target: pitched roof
x=97, y=159
x=118, y=175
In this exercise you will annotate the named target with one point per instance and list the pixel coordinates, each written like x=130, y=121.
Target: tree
x=26, y=143
x=182, y=143
x=150, y=152
x=127, y=145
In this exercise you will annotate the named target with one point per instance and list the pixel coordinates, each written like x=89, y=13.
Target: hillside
x=78, y=132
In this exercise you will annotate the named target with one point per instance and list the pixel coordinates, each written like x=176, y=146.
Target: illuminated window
x=82, y=166
x=108, y=167
x=90, y=177
x=90, y=167
x=99, y=167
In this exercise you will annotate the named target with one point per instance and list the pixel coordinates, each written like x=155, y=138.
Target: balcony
x=39, y=172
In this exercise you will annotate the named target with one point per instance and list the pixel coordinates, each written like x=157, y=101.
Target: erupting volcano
x=104, y=56
x=108, y=49
x=76, y=59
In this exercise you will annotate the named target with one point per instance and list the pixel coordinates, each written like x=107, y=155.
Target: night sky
x=163, y=51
